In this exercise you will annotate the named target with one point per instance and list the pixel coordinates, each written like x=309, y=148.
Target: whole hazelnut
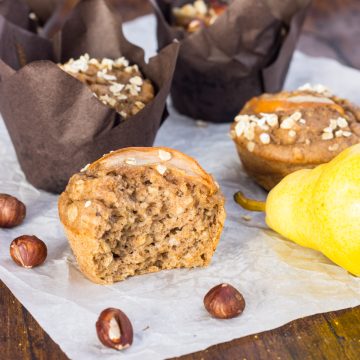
x=28, y=251
x=224, y=302
x=114, y=329
x=12, y=211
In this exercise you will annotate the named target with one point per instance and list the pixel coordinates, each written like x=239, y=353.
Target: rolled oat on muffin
x=277, y=134
x=199, y=14
x=141, y=210
x=115, y=83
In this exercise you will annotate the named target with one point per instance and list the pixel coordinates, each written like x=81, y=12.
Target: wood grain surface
x=332, y=29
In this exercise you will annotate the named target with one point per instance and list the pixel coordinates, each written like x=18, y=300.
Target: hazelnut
x=224, y=302
x=28, y=251
x=114, y=329
x=12, y=211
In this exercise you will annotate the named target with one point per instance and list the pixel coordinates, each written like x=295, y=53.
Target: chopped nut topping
x=333, y=147
x=107, y=100
x=113, y=82
x=102, y=74
x=239, y=128
x=347, y=133
x=131, y=69
x=333, y=124
x=116, y=88
x=87, y=204
x=271, y=119
x=232, y=134
x=161, y=169
x=140, y=105
x=85, y=168
x=265, y=138
x=164, y=155
x=328, y=130
x=121, y=62
x=136, y=80
x=287, y=123
x=327, y=136
x=251, y=146
x=197, y=15
x=292, y=133
x=341, y=122
x=338, y=133
x=133, y=89
x=290, y=121
x=107, y=63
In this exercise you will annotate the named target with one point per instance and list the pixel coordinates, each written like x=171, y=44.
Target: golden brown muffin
x=114, y=82
x=199, y=14
x=277, y=134
x=141, y=210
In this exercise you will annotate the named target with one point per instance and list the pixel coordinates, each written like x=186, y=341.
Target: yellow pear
x=319, y=208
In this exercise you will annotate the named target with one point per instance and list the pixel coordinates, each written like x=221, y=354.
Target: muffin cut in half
x=277, y=134
x=141, y=210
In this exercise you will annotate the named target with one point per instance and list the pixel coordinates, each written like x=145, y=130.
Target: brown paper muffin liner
x=56, y=124
x=246, y=52
x=16, y=11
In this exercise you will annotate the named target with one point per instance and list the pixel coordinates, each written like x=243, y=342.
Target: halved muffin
x=141, y=210
x=277, y=134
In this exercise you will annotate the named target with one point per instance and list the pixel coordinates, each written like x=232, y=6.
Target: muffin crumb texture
x=115, y=83
x=138, y=218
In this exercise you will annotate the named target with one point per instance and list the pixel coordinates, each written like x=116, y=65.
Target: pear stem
x=249, y=204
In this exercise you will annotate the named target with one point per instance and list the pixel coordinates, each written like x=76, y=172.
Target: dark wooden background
x=332, y=29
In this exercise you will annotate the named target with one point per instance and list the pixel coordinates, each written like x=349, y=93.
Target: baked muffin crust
x=115, y=83
x=276, y=134
x=141, y=210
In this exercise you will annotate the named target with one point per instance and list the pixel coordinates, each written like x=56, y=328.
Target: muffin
x=141, y=210
x=277, y=134
x=199, y=14
x=114, y=82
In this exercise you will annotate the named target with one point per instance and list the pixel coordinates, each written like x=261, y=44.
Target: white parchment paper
x=279, y=280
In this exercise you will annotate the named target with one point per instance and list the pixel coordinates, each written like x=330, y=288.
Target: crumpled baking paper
x=279, y=280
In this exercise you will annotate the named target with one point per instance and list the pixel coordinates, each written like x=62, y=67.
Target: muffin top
x=199, y=14
x=115, y=83
x=305, y=126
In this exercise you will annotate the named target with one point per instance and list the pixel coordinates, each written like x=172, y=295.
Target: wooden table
x=332, y=29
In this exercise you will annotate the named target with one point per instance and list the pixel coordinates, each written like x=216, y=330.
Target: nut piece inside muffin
x=115, y=83
x=141, y=210
x=276, y=134
x=199, y=14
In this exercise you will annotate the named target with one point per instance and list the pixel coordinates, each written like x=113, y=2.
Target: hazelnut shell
x=12, y=211
x=224, y=302
x=28, y=251
x=114, y=329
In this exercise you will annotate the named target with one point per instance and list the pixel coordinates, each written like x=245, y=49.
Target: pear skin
x=320, y=209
